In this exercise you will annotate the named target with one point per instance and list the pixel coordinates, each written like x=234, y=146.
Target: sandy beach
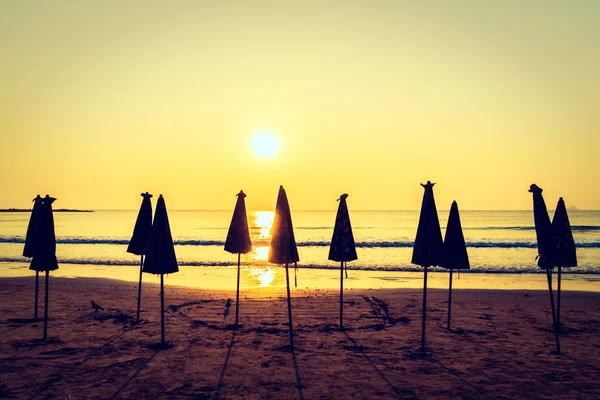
x=500, y=346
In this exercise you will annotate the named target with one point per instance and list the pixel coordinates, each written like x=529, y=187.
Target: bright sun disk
x=265, y=145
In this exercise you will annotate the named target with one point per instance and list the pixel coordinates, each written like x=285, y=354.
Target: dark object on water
x=160, y=256
x=565, y=253
x=428, y=248
x=139, y=241
x=30, y=245
x=342, y=248
x=96, y=306
x=228, y=304
x=455, y=251
x=44, y=252
x=238, y=241
x=545, y=258
x=283, y=248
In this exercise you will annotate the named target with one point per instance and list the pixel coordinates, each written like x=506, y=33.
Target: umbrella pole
x=549, y=275
x=140, y=288
x=558, y=301
x=424, y=310
x=162, y=310
x=450, y=299
x=287, y=279
x=342, y=295
x=46, y=307
x=237, y=293
x=37, y=285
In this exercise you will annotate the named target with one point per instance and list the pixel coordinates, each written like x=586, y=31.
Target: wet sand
x=500, y=346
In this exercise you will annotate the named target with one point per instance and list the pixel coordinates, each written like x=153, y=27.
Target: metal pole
x=558, y=300
x=450, y=300
x=46, y=307
x=342, y=295
x=287, y=279
x=162, y=310
x=549, y=275
x=424, y=311
x=237, y=294
x=140, y=288
x=37, y=280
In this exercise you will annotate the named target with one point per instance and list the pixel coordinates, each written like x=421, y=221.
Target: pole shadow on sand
x=221, y=382
x=359, y=349
x=133, y=376
x=225, y=364
x=297, y=372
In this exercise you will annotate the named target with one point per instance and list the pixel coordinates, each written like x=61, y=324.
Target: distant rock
x=572, y=208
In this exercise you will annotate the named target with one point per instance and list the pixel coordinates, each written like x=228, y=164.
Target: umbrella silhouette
x=238, y=240
x=565, y=254
x=342, y=247
x=283, y=248
x=455, y=250
x=30, y=245
x=44, y=251
x=428, y=248
x=139, y=241
x=545, y=258
x=160, y=256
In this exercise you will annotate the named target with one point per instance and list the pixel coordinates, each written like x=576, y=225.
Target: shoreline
x=223, y=278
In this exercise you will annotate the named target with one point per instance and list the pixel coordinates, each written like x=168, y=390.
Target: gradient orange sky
x=101, y=100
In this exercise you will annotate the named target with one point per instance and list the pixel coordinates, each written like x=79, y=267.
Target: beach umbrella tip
x=241, y=193
x=428, y=184
x=343, y=197
x=533, y=188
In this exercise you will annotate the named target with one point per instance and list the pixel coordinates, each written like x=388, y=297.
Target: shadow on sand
x=358, y=348
x=225, y=364
x=297, y=371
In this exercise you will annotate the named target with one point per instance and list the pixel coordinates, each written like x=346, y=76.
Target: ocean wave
x=309, y=243
x=576, y=228
x=354, y=266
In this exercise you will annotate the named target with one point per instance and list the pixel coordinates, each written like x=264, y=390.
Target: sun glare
x=264, y=222
x=265, y=145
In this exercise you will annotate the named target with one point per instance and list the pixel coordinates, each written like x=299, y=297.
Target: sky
x=102, y=100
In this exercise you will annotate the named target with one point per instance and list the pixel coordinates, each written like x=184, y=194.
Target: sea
x=500, y=242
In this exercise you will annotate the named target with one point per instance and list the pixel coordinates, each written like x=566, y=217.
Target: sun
x=265, y=145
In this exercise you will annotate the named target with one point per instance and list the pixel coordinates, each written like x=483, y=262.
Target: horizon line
x=330, y=210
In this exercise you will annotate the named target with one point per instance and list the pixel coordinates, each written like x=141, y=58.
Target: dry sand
x=501, y=344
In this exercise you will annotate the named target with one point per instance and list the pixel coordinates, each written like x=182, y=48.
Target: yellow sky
x=101, y=100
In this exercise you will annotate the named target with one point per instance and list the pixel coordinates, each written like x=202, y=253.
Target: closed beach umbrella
x=543, y=232
x=428, y=248
x=160, y=256
x=30, y=245
x=141, y=236
x=238, y=240
x=44, y=252
x=342, y=247
x=455, y=250
x=565, y=254
x=283, y=248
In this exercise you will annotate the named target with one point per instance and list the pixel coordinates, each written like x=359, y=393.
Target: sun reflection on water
x=261, y=223
x=263, y=220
